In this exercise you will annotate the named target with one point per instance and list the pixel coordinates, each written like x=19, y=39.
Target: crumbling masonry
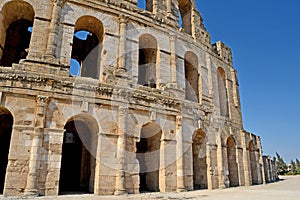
x=153, y=105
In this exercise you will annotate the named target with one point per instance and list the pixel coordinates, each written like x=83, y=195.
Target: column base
x=181, y=190
x=120, y=72
x=31, y=193
x=51, y=59
x=222, y=186
x=120, y=192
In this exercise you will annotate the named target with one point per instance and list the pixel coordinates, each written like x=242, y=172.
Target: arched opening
x=147, y=61
x=148, y=155
x=16, y=21
x=6, y=123
x=87, y=47
x=185, y=15
x=221, y=76
x=191, y=77
x=232, y=162
x=253, y=165
x=78, y=162
x=146, y=5
x=199, y=160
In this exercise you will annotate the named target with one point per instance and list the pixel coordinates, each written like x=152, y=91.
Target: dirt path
x=287, y=189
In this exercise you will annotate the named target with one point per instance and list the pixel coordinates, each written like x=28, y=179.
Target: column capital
x=123, y=109
x=173, y=37
x=59, y=2
x=123, y=18
x=42, y=100
x=179, y=120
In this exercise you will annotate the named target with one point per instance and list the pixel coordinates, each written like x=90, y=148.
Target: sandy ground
x=286, y=189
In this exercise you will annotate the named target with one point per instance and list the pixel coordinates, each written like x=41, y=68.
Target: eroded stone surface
x=154, y=107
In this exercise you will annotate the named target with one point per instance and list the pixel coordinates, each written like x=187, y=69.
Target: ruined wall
x=44, y=98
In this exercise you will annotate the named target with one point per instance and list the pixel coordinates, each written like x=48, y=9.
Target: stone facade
x=155, y=106
x=270, y=169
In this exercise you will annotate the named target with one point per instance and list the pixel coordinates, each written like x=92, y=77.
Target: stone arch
x=148, y=154
x=87, y=46
x=199, y=160
x=6, y=123
x=148, y=56
x=232, y=162
x=185, y=12
x=253, y=163
x=223, y=101
x=78, y=161
x=16, y=18
x=191, y=76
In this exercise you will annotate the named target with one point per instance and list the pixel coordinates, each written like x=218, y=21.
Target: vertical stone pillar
x=220, y=158
x=98, y=166
x=179, y=155
x=210, y=80
x=193, y=25
x=234, y=87
x=37, y=140
x=259, y=177
x=169, y=7
x=51, y=50
x=121, y=151
x=162, y=164
x=225, y=166
x=260, y=161
x=210, y=170
x=270, y=172
x=240, y=167
x=173, y=39
x=246, y=160
x=121, y=69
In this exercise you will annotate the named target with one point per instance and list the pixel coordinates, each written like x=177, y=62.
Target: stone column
x=271, y=179
x=193, y=25
x=121, y=69
x=220, y=164
x=246, y=162
x=210, y=80
x=50, y=54
x=210, y=170
x=259, y=177
x=98, y=165
x=173, y=39
x=247, y=167
x=169, y=7
x=121, y=151
x=179, y=155
x=260, y=160
x=239, y=154
x=226, y=180
x=37, y=140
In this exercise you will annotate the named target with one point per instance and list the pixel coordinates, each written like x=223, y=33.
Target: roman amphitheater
x=152, y=106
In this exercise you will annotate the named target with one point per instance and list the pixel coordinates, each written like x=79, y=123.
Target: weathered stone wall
x=43, y=98
x=270, y=168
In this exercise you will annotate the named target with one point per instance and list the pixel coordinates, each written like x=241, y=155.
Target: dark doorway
x=75, y=174
x=148, y=155
x=6, y=123
x=199, y=160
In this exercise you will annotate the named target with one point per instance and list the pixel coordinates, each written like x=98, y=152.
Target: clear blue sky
x=265, y=38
